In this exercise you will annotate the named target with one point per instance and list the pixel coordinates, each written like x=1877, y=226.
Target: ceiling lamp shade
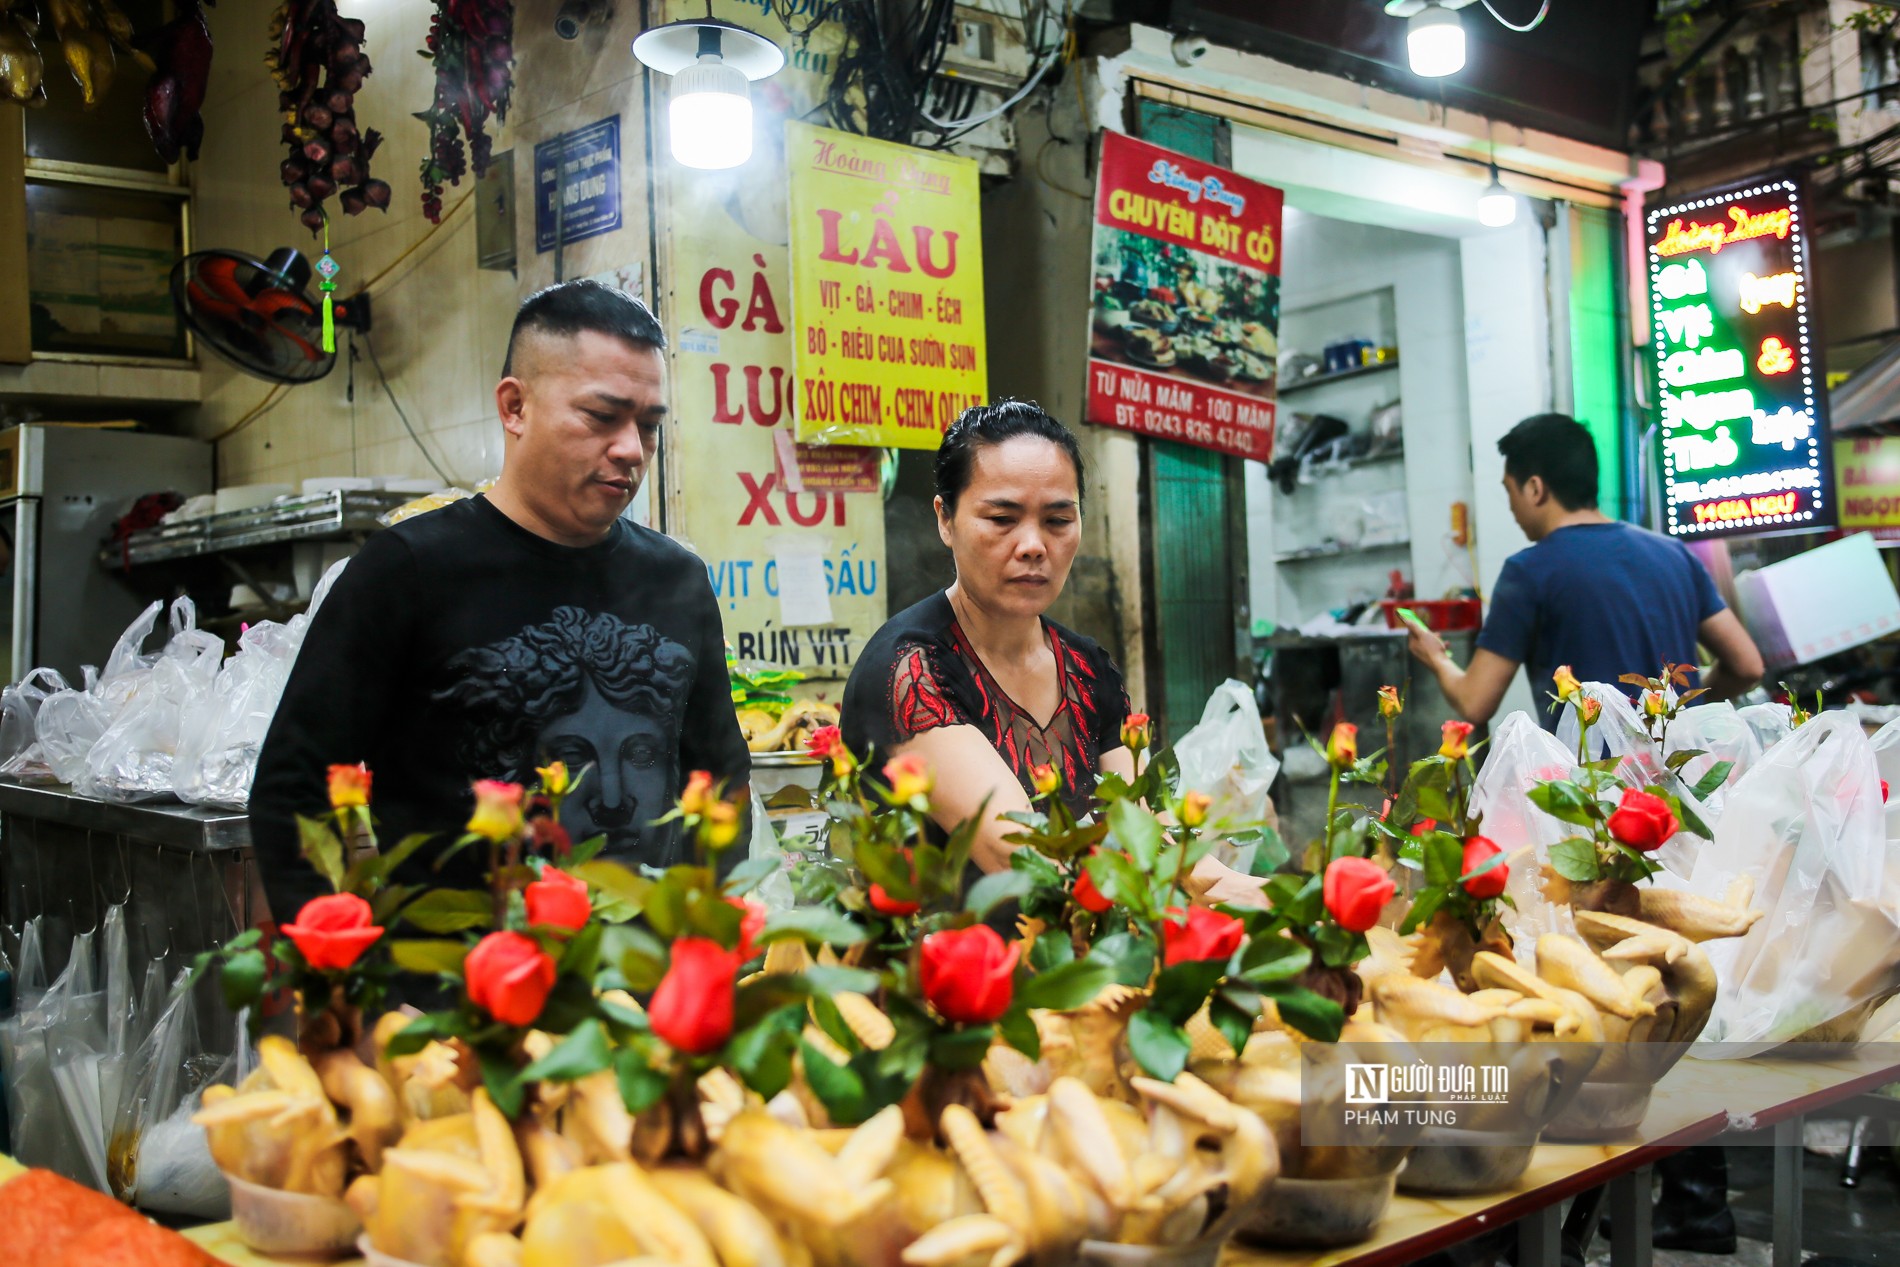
x=1497, y=206
x=1435, y=41
x=713, y=63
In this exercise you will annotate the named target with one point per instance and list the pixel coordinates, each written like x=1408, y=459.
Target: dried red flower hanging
x=318, y=62
x=471, y=43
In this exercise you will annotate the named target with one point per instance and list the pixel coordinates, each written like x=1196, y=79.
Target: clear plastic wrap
x=1721, y=732
x=134, y=757
x=1226, y=757
x=159, y=1160
x=1771, y=722
x=1806, y=825
x=70, y=722
x=1521, y=755
x=21, y=756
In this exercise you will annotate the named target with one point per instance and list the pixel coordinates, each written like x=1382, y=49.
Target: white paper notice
x=802, y=597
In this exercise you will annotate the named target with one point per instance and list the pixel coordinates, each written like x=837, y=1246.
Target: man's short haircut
x=567, y=308
x=1559, y=449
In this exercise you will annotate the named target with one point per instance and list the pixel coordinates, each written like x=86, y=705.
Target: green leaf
x=1137, y=833
x=1234, y=1022
x=1131, y=957
x=1017, y=1029
x=641, y=1085
x=1424, y=906
x=377, y=868
x=1565, y=802
x=996, y=888
x=450, y=910
x=1443, y=856
x=1682, y=757
x=1035, y=865
x=710, y=915
x=638, y=954
x=1053, y=949
x=1434, y=802
x=762, y=1054
x=1272, y=958
x=1494, y=861
x=586, y=851
x=1159, y=1046
x=831, y=980
x=961, y=1048
x=582, y=1052
x=581, y=955
x=1691, y=821
x=838, y=1087
x=503, y=1081
x=812, y=923
x=1576, y=860
x=615, y=881
x=1312, y=1015
x=1068, y=986
x=389, y=901
x=1118, y=880
x=828, y=1018
x=243, y=978
x=1710, y=782
x=751, y=873
x=419, y=1033
x=428, y=958
x=1180, y=990
x=322, y=849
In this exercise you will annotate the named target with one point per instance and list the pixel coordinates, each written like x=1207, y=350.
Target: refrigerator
x=62, y=488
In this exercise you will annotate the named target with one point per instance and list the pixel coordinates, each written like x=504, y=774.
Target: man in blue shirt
x=1604, y=597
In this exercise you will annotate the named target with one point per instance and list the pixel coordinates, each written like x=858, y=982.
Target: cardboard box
x=1819, y=603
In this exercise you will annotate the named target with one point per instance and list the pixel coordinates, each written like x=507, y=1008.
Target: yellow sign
x=728, y=299
x=887, y=289
x=1868, y=478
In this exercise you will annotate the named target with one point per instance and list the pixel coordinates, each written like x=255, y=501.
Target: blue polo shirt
x=1605, y=599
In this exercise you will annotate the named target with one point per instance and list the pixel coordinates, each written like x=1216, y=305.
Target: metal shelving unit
x=335, y=515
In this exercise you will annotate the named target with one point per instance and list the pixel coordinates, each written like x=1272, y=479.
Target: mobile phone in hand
x=1410, y=617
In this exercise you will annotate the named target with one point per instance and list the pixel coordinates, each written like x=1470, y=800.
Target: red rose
x=1424, y=825
x=1456, y=736
x=558, y=899
x=966, y=973
x=1478, y=851
x=1355, y=891
x=1087, y=896
x=508, y=977
x=751, y=924
x=1199, y=933
x=884, y=904
x=1643, y=820
x=349, y=786
x=824, y=741
x=332, y=932
x=1883, y=791
x=549, y=837
x=692, y=1009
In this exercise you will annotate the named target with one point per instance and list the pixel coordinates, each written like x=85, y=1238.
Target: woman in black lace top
x=975, y=679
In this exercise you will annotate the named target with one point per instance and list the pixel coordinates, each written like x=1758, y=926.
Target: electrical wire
x=413, y=247
x=401, y=413
x=1543, y=11
x=960, y=127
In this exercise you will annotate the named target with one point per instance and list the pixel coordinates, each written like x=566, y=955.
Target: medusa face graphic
x=600, y=694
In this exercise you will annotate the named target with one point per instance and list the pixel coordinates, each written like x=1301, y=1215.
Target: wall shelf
x=1338, y=376
x=1336, y=551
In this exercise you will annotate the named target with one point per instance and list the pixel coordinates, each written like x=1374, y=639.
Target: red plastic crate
x=1441, y=615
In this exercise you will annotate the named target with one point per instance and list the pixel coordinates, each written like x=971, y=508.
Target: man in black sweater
x=519, y=627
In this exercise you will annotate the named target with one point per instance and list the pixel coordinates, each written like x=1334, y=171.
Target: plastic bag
x=52, y=1088
x=70, y=722
x=221, y=732
x=159, y=1160
x=1619, y=733
x=1771, y=723
x=21, y=756
x=1806, y=825
x=1722, y=733
x=1522, y=755
x=1226, y=757
x=134, y=758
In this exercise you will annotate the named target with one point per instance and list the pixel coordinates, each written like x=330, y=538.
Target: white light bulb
x=1497, y=206
x=709, y=118
x=1435, y=41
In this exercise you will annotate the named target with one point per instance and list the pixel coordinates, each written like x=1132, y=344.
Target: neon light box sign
x=1745, y=446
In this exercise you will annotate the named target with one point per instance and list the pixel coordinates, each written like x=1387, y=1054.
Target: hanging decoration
x=88, y=35
x=181, y=51
x=471, y=43
x=318, y=62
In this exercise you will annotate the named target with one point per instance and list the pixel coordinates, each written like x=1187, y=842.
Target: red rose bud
x=824, y=741
x=720, y=827
x=966, y=973
x=1199, y=933
x=1135, y=732
x=1479, y=851
x=1883, y=791
x=1424, y=825
x=1044, y=779
x=1390, y=705
x=1194, y=807
x=549, y=837
x=751, y=924
x=509, y=977
x=333, y=932
x=497, y=813
x=1455, y=739
x=692, y=1009
x=1355, y=891
x=909, y=778
x=349, y=786
x=886, y=905
x=697, y=797
x=1643, y=820
x=1588, y=710
x=1342, y=746
x=558, y=900
x=1087, y=896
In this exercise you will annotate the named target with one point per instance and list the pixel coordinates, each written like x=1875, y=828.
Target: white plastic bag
x=70, y=722
x=221, y=732
x=1721, y=732
x=1771, y=722
x=1619, y=734
x=160, y=1161
x=134, y=757
x=1806, y=825
x=1523, y=754
x=21, y=756
x=1225, y=756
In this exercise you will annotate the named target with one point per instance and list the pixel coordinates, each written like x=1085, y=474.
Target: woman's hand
x=1214, y=883
x=968, y=772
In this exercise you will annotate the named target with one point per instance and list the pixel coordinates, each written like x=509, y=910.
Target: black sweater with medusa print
x=459, y=646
